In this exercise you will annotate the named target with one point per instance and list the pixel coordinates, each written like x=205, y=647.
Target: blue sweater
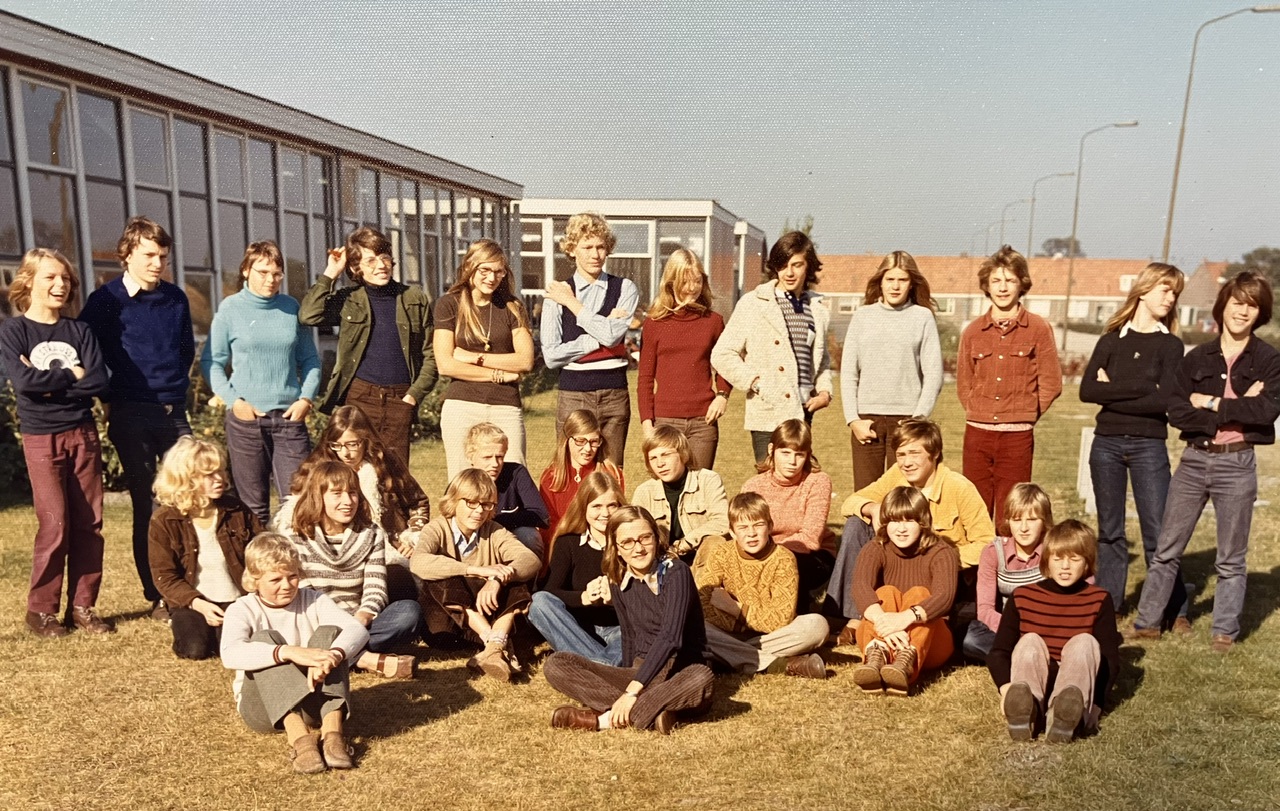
x=146, y=339
x=277, y=359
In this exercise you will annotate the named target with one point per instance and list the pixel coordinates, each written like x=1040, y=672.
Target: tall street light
x=1031, y=224
x=1186, y=104
x=1003, y=212
x=986, y=230
x=1075, y=221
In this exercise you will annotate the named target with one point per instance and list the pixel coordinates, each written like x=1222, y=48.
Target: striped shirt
x=350, y=568
x=803, y=332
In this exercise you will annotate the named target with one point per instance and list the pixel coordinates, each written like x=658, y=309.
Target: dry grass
x=120, y=723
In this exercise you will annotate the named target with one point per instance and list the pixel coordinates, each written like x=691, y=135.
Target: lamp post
x=1005, y=211
x=1186, y=104
x=1075, y=221
x=1031, y=218
x=986, y=239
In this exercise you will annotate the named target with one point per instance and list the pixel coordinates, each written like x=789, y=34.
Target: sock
x=603, y=721
x=778, y=665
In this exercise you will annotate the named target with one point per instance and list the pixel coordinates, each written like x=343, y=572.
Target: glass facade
x=78, y=158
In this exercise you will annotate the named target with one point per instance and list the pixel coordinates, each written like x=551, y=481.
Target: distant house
x=1098, y=287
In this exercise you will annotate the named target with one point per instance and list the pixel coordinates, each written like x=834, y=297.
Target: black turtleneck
x=383, y=363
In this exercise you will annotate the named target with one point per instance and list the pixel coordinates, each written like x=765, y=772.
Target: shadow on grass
x=390, y=708
x=1131, y=676
x=723, y=705
x=1262, y=591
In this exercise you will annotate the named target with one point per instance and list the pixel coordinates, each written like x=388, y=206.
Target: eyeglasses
x=583, y=442
x=627, y=544
x=493, y=273
x=353, y=445
x=378, y=261
x=479, y=505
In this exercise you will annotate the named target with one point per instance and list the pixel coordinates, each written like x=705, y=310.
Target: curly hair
x=268, y=552
x=1007, y=259
x=178, y=484
x=20, y=289
x=582, y=226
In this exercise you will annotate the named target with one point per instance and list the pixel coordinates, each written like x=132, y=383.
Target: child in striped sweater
x=343, y=555
x=1057, y=639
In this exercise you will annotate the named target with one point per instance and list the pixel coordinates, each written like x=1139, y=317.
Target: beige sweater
x=436, y=555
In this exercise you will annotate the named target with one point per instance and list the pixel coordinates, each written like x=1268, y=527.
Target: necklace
x=489, y=329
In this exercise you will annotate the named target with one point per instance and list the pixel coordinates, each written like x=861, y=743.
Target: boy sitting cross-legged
x=1057, y=640
x=748, y=590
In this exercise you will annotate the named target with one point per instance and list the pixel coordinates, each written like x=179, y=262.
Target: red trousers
x=932, y=640
x=995, y=461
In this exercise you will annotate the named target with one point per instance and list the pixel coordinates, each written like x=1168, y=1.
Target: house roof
x=1202, y=288
x=958, y=275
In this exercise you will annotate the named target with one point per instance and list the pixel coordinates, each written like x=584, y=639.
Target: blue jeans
x=552, y=618
x=142, y=434
x=400, y=623
x=857, y=534
x=1231, y=480
x=1113, y=462
x=260, y=450
x=978, y=640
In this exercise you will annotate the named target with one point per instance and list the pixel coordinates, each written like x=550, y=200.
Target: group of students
x=634, y=598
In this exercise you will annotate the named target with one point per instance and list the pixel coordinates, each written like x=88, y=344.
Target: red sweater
x=675, y=353
x=558, y=501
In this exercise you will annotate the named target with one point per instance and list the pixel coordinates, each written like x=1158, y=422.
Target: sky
x=896, y=125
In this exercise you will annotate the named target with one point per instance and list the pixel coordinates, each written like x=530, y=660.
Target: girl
x=476, y=575
x=675, y=356
x=799, y=498
x=196, y=544
x=57, y=369
x=1008, y=562
x=775, y=345
x=661, y=619
x=293, y=644
x=343, y=555
x=1225, y=399
x=903, y=584
x=274, y=378
x=483, y=344
x=690, y=504
x=579, y=452
x=572, y=611
x=384, y=364
x=891, y=367
x=1058, y=639
x=1130, y=375
x=396, y=501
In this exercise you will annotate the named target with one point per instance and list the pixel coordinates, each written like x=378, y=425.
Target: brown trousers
x=445, y=604
x=390, y=414
x=598, y=686
x=870, y=461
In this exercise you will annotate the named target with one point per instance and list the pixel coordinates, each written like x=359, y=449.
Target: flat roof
x=27, y=42
x=568, y=206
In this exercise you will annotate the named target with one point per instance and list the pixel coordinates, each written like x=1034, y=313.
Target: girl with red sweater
x=675, y=355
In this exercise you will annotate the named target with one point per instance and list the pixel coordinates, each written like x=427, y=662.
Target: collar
x=587, y=539
x=1021, y=320
x=653, y=579
x=769, y=549
x=458, y=533
x=131, y=285
x=1128, y=327
x=581, y=282
x=933, y=488
x=1010, y=547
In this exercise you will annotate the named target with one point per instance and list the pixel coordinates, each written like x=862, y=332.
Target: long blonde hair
x=595, y=485
x=1151, y=277
x=178, y=483
x=468, y=326
x=680, y=267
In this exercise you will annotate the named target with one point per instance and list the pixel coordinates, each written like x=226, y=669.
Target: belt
x=1209, y=447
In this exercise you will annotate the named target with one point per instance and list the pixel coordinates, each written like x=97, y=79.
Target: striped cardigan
x=353, y=573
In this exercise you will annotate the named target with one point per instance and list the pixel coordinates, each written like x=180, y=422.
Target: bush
x=13, y=466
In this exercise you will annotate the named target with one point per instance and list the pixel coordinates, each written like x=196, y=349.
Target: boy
x=143, y=325
x=690, y=504
x=1058, y=639
x=748, y=591
x=520, y=510
x=584, y=322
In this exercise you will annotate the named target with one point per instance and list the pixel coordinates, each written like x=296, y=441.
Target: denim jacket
x=1204, y=371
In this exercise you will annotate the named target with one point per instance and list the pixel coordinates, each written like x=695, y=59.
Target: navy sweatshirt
x=146, y=339
x=50, y=399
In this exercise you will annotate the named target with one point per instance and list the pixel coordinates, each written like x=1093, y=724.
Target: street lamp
x=1182, y=131
x=1031, y=224
x=1004, y=211
x=1075, y=220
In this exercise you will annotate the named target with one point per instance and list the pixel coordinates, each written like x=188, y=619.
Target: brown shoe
x=305, y=754
x=492, y=663
x=1182, y=627
x=1064, y=716
x=867, y=674
x=160, y=612
x=570, y=717
x=45, y=625
x=1135, y=634
x=1221, y=643
x=809, y=666
x=897, y=674
x=337, y=754
x=87, y=620
x=848, y=636
x=665, y=722
x=403, y=666
x=1020, y=711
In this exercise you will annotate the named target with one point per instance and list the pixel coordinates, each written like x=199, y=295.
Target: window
x=1126, y=282
x=196, y=250
x=633, y=237
x=946, y=306
x=48, y=123
x=100, y=136
x=230, y=150
x=53, y=212
x=155, y=205
x=262, y=175
x=1079, y=309
x=847, y=306
x=150, y=149
x=106, y=221
x=233, y=237
x=292, y=182
x=672, y=235
x=188, y=141
x=295, y=254
x=1041, y=307
x=10, y=242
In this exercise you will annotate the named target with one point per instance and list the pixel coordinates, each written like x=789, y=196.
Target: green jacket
x=348, y=310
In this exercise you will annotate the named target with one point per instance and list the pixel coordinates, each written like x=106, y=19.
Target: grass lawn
x=119, y=722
